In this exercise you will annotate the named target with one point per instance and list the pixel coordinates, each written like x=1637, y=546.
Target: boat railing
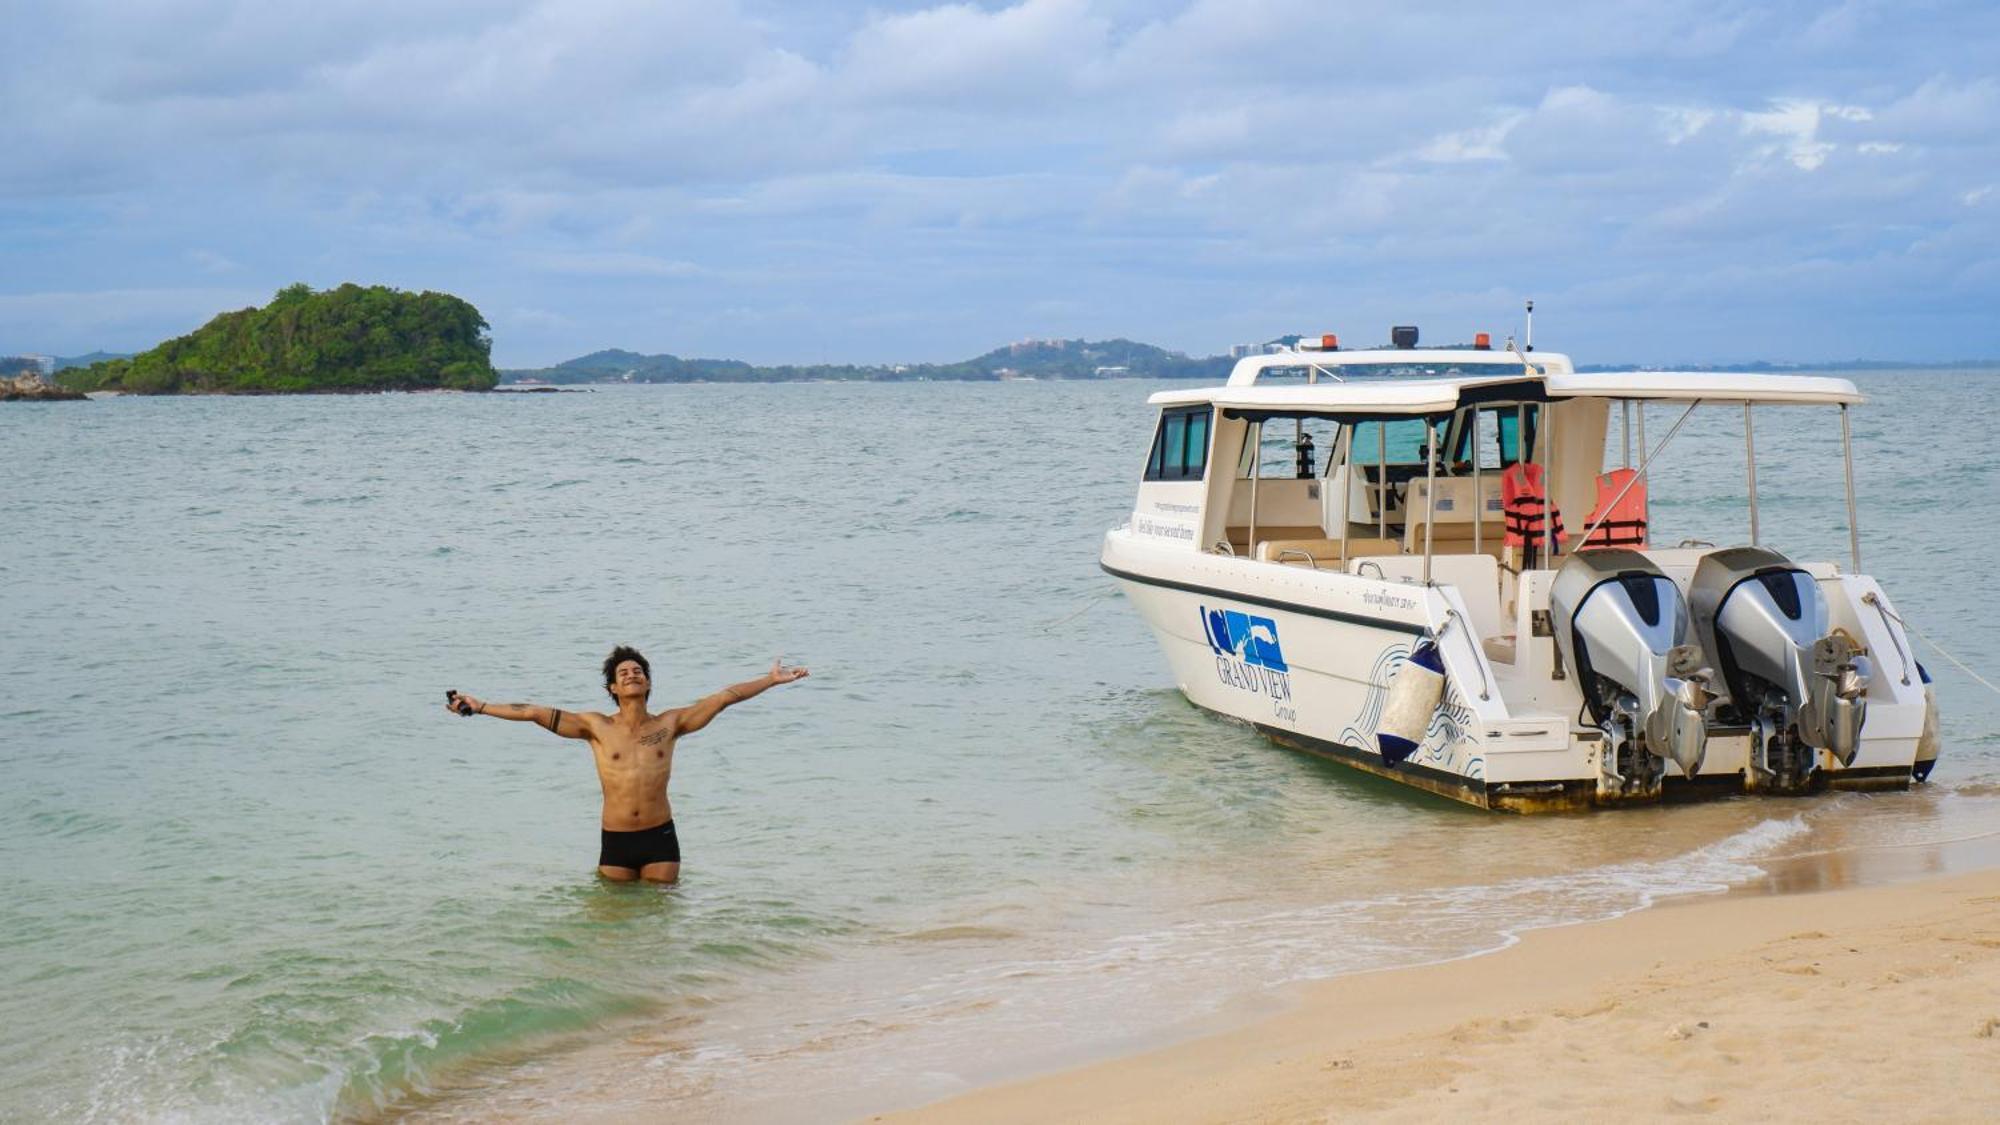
x=1451, y=615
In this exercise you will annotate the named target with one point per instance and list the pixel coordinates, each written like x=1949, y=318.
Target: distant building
x=40, y=366
x=1020, y=346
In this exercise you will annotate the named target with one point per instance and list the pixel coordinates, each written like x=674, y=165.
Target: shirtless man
x=635, y=756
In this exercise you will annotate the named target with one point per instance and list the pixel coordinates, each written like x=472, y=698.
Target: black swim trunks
x=634, y=850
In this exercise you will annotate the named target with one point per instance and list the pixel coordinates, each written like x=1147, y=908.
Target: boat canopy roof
x=1369, y=399
x=1394, y=363
x=1421, y=395
x=1709, y=386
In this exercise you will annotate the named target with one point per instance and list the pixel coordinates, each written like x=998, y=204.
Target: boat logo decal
x=1253, y=640
x=1247, y=654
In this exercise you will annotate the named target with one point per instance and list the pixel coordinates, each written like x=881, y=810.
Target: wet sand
x=1868, y=1002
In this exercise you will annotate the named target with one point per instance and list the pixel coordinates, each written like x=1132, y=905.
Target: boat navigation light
x=1404, y=335
x=1326, y=343
x=1482, y=342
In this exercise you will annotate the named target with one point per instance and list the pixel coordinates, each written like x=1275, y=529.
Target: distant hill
x=346, y=339
x=1038, y=359
x=64, y=363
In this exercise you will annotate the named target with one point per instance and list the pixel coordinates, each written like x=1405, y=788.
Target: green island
x=345, y=340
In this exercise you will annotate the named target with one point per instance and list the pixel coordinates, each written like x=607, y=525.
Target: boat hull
x=1307, y=657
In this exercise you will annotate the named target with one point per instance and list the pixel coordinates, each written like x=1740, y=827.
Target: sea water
x=252, y=869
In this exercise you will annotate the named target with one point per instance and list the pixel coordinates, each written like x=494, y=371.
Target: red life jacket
x=1523, y=499
x=1625, y=524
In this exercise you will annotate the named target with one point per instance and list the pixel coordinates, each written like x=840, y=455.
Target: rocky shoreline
x=31, y=388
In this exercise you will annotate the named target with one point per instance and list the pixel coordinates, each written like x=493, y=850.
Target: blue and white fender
x=1414, y=695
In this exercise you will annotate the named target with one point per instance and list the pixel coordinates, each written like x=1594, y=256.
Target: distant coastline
x=437, y=342
x=1044, y=359
x=1028, y=359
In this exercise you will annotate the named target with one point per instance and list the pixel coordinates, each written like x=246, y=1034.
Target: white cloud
x=1943, y=110
x=612, y=264
x=1796, y=122
x=532, y=318
x=1033, y=51
x=1487, y=143
x=963, y=160
x=69, y=322
x=208, y=261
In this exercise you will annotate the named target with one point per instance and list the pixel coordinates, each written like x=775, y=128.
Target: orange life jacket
x=1523, y=500
x=1624, y=525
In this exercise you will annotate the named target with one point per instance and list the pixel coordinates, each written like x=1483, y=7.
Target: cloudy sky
x=1702, y=180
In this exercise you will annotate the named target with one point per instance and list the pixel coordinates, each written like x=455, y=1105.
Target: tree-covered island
x=343, y=340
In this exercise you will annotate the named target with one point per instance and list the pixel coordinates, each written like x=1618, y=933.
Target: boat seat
x=1324, y=552
x=1239, y=534
x=1454, y=514
x=1454, y=538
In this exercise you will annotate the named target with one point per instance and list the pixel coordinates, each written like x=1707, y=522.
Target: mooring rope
x=1941, y=651
x=1079, y=613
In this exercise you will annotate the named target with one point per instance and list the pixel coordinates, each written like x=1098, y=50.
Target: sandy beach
x=1864, y=1004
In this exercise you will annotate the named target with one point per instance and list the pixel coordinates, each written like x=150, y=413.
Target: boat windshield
x=1402, y=439
x=1416, y=367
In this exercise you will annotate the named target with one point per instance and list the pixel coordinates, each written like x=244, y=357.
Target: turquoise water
x=253, y=871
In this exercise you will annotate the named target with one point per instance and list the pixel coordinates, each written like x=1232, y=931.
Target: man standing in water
x=635, y=755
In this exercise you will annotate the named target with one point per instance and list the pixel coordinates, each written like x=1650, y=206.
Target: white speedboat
x=1445, y=583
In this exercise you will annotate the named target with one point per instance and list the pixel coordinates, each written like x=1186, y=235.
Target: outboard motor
x=1798, y=685
x=1623, y=628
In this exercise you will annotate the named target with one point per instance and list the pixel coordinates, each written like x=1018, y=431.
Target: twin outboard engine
x=1622, y=625
x=1799, y=686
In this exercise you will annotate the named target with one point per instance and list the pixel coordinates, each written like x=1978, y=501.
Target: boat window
x=1293, y=449
x=1509, y=431
x=1330, y=368
x=1404, y=438
x=1180, y=446
x=1505, y=449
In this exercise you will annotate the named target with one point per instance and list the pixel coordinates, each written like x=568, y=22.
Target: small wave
x=568, y=483
x=959, y=933
x=72, y=824
x=1005, y=1002
x=393, y=1068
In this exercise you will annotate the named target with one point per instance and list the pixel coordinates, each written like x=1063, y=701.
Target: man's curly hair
x=619, y=656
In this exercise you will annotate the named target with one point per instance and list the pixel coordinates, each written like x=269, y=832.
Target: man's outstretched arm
x=698, y=715
x=568, y=724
